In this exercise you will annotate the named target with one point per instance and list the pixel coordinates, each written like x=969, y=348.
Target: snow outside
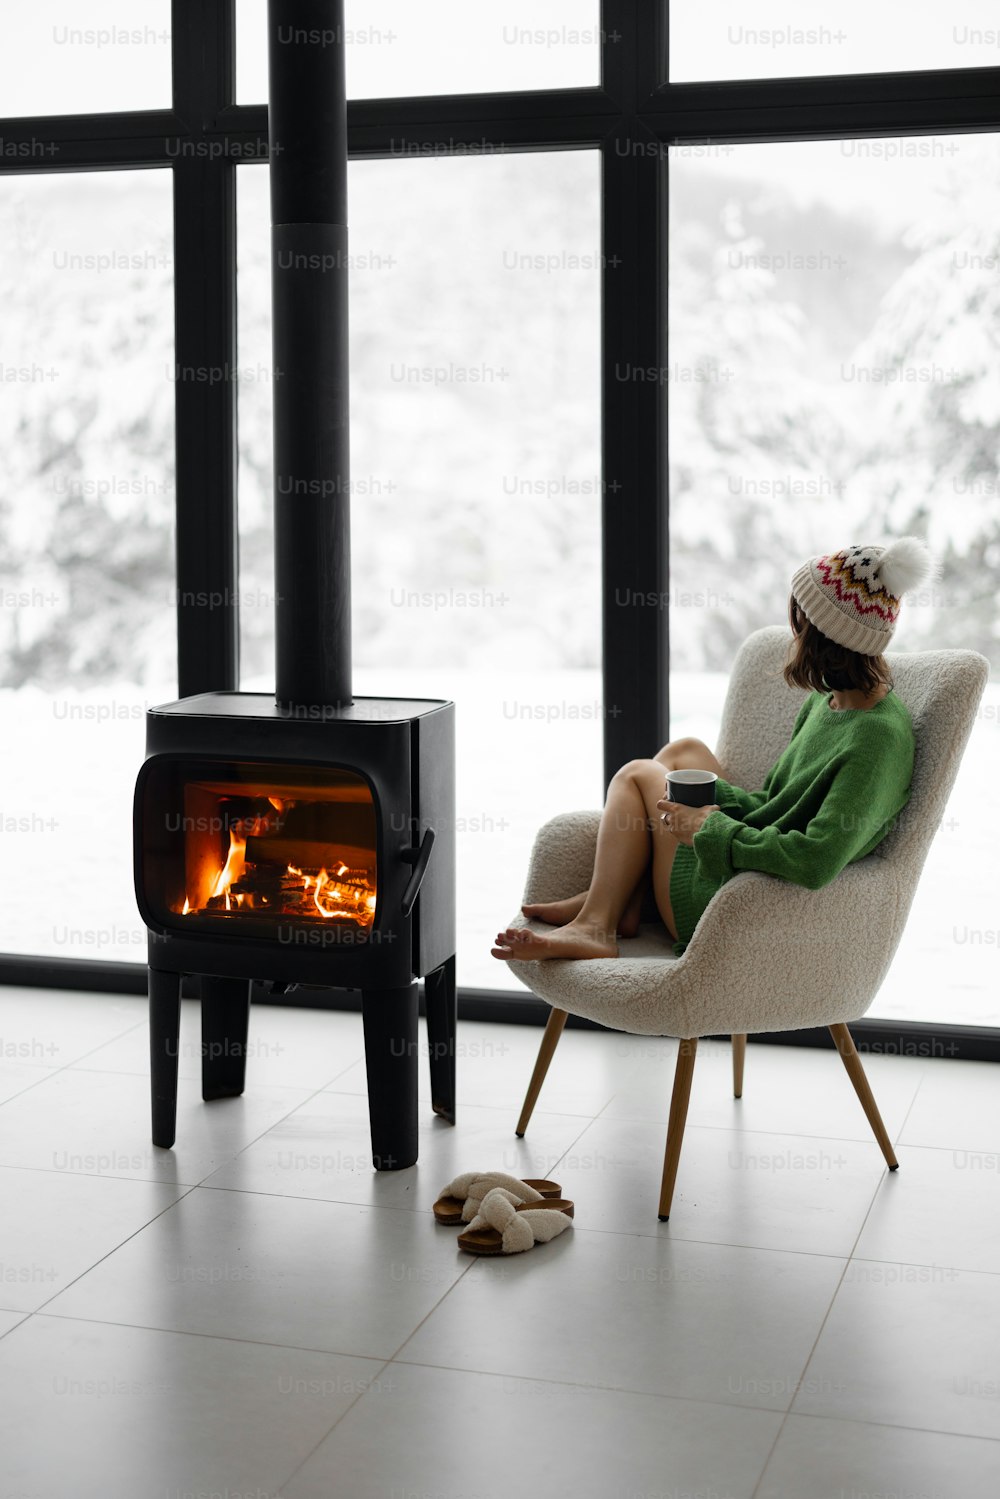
x=834, y=378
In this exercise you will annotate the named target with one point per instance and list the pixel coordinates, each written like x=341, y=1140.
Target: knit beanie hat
x=852, y=596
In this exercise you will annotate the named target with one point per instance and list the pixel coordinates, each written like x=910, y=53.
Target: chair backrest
x=759, y=710
x=941, y=689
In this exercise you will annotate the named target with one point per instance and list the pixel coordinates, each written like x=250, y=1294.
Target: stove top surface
x=263, y=705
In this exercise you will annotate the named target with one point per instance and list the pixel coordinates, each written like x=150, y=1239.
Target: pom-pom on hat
x=852, y=596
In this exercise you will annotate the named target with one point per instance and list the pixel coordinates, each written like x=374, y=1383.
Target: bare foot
x=571, y=941
x=562, y=912
x=556, y=912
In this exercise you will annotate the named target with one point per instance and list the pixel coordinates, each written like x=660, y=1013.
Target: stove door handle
x=418, y=858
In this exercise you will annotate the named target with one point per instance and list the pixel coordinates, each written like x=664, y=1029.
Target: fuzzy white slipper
x=505, y=1226
x=459, y=1201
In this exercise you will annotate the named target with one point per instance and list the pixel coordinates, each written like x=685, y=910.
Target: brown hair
x=819, y=664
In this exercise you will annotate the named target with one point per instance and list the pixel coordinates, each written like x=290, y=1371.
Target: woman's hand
x=684, y=821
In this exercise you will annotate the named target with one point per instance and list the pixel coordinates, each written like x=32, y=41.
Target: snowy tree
x=756, y=446
x=884, y=425
x=86, y=416
x=934, y=458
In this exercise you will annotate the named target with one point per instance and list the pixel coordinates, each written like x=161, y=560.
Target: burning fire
x=234, y=867
x=346, y=893
x=338, y=897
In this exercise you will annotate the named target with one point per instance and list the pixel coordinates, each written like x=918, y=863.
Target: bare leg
x=679, y=754
x=629, y=823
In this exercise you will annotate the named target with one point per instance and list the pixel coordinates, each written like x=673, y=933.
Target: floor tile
x=9, y=1319
x=502, y=1436
x=286, y=1047
x=100, y=1412
x=934, y=1119
x=98, y=1124
x=494, y=1063
x=828, y=1459
x=942, y=1207
x=910, y=1345
x=325, y=1275
x=786, y=1090
x=323, y=1149
x=53, y=1027
x=700, y=1321
x=732, y=1187
x=16, y=1076
x=39, y=1254
x=736, y=1339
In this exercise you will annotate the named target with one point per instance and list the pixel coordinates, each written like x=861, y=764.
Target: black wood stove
x=309, y=838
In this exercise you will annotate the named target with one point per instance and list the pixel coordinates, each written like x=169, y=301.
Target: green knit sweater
x=831, y=796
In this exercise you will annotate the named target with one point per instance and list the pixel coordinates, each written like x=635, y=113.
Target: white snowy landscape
x=834, y=378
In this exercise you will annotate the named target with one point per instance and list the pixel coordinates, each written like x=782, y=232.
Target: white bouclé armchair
x=751, y=964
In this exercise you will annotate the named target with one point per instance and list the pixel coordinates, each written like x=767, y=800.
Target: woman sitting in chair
x=831, y=796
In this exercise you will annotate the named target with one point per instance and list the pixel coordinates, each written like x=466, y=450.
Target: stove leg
x=441, y=1001
x=225, y=1025
x=390, y=1025
x=164, y=1041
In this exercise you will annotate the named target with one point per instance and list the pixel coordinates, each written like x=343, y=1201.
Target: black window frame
x=632, y=116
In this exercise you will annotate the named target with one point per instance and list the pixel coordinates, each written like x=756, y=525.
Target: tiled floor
x=256, y=1312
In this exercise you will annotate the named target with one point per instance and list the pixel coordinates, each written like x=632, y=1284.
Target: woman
x=831, y=796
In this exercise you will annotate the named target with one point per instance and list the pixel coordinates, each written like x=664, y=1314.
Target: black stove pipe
x=307, y=131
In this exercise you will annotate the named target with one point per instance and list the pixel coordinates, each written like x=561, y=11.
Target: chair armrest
x=562, y=858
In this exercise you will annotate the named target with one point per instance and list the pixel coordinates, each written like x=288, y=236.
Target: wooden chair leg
x=739, y=1056
x=845, y=1045
x=683, y=1073
x=553, y=1030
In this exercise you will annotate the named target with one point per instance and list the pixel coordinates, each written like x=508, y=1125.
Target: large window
x=397, y=47
x=785, y=39
x=475, y=484
x=843, y=296
x=60, y=58
x=549, y=193
x=88, y=632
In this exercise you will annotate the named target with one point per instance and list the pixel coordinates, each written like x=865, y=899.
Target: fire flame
x=234, y=867
x=340, y=894
x=337, y=897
